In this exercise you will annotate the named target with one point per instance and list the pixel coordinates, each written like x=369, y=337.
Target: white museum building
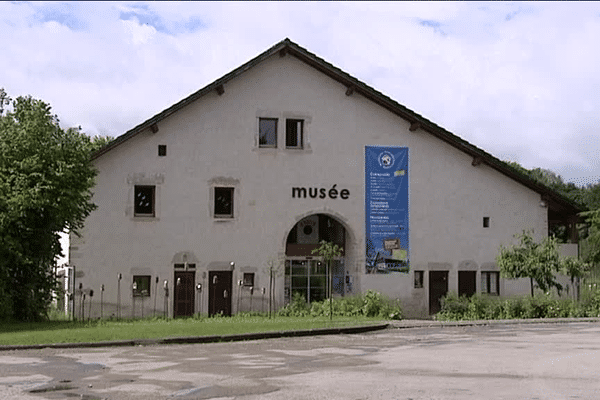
x=258, y=167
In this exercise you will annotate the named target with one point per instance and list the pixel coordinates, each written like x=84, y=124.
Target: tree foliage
x=329, y=251
x=45, y=188
x=592, y=248
x=98, y=142
x=540, y=262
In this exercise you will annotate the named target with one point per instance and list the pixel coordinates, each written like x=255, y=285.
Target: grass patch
x=156, y=328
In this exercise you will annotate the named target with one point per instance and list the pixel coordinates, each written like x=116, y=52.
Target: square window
x=419, y=279
x=223, y=202
x=141, y=286
x=490, y=282
x=162, y=150
x=144, y=201
x=248, y=278
x=293, y=133
x=486, y=222
x=267, y=132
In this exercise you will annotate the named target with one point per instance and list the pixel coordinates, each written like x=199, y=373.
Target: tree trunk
x=270, y=291
x=330, y=291
x=531, y=284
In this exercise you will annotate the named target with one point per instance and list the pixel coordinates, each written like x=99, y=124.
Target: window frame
x=139, y=291
x=299, y=135
x=248, y=279
x=419, y=279
x=276, y=123
x=227, y=216
x=136, y=212
x=486, y=283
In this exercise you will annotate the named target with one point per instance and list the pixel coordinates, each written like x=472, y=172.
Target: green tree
x=4, y=100
x=592, y=251
x=329, y=251
x=98, y=142
x=540, y=262
x=45, y=188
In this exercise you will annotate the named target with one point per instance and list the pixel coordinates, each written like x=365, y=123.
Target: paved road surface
x=540, y=361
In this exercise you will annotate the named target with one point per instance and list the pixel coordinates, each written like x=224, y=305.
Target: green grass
x=98, y=331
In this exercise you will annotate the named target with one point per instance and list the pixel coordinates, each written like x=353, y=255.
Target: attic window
x=267, y=132
x=293, y=133
x=486, y=222
x=162, y=150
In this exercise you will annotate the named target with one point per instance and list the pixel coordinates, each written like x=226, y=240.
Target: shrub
x=590, y=303
x=370, y=304
x=297, y=307
x=543, y=306
x=453, y=307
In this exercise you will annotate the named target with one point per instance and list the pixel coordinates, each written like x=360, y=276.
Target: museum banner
x=386, y=209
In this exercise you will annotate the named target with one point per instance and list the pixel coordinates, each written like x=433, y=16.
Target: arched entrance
x=305, y=273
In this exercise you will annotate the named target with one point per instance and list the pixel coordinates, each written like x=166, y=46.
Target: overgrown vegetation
x=481, y=306
x=370, y=304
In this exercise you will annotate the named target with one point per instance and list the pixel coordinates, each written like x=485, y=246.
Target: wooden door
x=183, y=302
x=466, y=283
x=438, y=287
x=219, y=292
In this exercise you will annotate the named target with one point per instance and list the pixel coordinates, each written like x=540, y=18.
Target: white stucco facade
x=213, y=142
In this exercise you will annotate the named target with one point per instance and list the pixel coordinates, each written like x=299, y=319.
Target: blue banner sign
x=386, y=209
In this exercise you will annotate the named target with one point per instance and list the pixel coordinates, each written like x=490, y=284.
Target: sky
x=519, y=80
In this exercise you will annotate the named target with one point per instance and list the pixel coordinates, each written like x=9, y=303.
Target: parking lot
x=505, y=361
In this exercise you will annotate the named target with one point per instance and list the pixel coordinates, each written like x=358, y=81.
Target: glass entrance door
x=309, y=278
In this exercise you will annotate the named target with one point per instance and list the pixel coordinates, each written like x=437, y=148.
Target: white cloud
x=140, y=33
x=516, y=79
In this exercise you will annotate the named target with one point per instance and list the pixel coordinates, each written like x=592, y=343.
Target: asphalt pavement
x=549, y=359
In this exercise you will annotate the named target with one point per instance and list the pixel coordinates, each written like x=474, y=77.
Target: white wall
x=213, y=140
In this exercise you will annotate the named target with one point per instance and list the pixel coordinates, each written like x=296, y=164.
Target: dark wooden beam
x=350, y=90
x=282, y=52
x=476, y=161
x=154, y=128
x=220, y=90
x=414, y=126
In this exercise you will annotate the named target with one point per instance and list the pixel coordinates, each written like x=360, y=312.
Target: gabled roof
x=557, y=203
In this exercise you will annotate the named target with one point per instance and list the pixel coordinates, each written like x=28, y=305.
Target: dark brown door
x=466, y=283
x=438, y=287
x=183, y=303
x=219, y=292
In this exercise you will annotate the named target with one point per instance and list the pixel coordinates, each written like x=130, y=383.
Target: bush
x=590, y=303
x=371, y=304
x=486, y=307
x=297, y=308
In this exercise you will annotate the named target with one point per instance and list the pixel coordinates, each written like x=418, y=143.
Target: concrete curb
x=202, y=339
x=407, y=324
